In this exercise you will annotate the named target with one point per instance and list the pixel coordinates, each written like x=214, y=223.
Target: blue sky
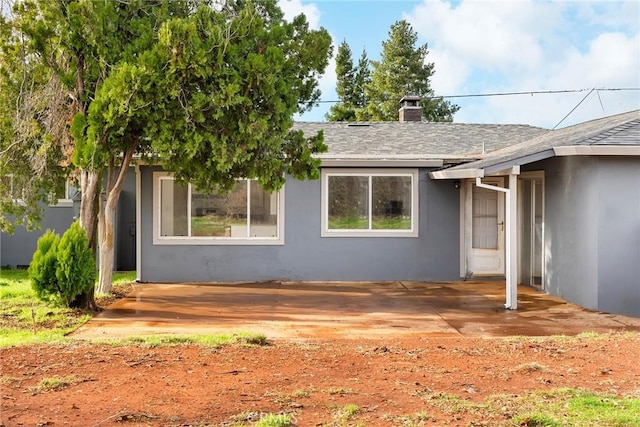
x=501, y=46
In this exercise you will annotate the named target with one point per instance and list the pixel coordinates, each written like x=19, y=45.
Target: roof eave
x=381, y=162
x=597, y=150
x=457, y=173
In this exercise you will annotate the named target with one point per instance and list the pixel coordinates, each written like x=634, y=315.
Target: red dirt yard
x=392, y=381
x=348, y=377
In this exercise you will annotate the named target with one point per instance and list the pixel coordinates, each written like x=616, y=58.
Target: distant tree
x=362, y=79
x=349, y=86
x=403, y=70
x=208, y=87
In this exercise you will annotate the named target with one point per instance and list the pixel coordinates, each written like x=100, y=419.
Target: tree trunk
x=106, y=218
x=90, y=186
x=90, y=189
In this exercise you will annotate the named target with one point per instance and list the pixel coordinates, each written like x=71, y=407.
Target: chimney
x=410, y=110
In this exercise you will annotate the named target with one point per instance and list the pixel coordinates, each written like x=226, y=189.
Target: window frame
x=413, y=173
x=158, y=239
x=67, y=201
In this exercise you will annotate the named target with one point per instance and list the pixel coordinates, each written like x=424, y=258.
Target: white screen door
x=485, y=229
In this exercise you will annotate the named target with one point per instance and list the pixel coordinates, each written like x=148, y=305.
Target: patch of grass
x=536, y=420
x=213, y=340
x=274, y=420
x=26, y=320
x=451, y=403
x=348, y=412
x=261, y=419
x=361, y=222
x=57, y=383
x=8, y=380
x=414, y=420
x=556, y=407
x=300, y=394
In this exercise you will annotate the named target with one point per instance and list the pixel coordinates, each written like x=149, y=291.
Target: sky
x=481, y=47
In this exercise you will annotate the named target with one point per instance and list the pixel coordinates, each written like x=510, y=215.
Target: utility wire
x=531, y=92
x=573, y=109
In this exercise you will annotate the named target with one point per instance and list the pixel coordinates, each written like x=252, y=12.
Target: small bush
x=62, y=268
x=76, y=270
x=42, y=270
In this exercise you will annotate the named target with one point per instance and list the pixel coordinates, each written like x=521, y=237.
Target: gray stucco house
x=409, y=200
x=16, y=250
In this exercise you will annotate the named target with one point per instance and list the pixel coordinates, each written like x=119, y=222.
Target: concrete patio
x=307, y=310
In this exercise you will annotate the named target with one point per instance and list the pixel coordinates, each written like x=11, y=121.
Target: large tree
x=206, y=88
x=350, y=84
x=403, y=70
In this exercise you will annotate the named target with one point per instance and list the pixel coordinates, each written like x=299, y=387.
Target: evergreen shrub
x=63, y=268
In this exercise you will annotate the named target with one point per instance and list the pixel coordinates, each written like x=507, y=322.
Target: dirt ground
x=388, y=379
x=404, y=354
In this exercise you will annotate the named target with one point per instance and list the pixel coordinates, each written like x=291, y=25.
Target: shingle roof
x=420, y=140
x=621, y=129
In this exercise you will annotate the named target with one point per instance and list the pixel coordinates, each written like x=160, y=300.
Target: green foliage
x=42, y=270
x=403, y=70
x=274, y=420
x=350, y=84
x=220, y=123
x=25, y=319
x=76, y=268
x=62, y=268
x=209, y=92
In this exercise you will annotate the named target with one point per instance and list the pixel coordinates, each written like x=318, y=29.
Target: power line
x=530, y=92
x=574, y=108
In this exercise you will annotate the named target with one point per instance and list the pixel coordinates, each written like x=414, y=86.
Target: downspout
x=511, y=243
x=138, y=224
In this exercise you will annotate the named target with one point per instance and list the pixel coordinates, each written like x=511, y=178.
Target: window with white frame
x=9, y=186
x=246, y=215
x=370, y=202
x=62, y=195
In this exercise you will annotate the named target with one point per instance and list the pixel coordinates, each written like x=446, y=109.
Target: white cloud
x=481, y=47
x=293, y=8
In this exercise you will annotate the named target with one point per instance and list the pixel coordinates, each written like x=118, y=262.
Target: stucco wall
x=592, y=231
x=16, y=250
x=306, y=255
x=619, y=235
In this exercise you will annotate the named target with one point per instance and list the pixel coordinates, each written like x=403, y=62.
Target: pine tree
x=349, y=86
x=361, y=80
x=403, y=70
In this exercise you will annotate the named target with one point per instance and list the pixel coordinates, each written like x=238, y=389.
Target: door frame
x=531, y=176
x=466, y=228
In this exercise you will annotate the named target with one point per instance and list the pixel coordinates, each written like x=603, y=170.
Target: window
x=62, y=195
x=8, y=185
x=246, y=215
x=373, y=202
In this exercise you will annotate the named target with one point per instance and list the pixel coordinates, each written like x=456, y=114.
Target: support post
x=511, y=237
x=512, y=247
x=138, y=223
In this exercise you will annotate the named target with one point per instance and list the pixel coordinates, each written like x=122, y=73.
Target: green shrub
x=42, y=270
x=76, y=270
x=62, y=268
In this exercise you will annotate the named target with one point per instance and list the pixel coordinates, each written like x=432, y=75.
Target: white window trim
x=415, y=202
x=67, y=201
x=206, y=240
